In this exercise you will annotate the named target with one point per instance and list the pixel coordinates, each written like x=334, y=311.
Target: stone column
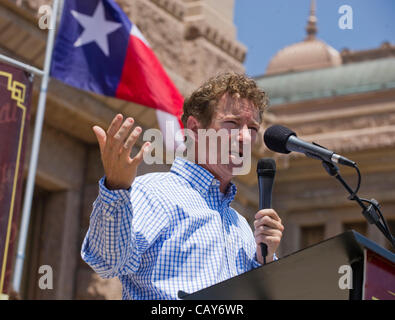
x=375, y=235
x=59, y=243
x=291, y=238
x=60, y=173
x=333, y=227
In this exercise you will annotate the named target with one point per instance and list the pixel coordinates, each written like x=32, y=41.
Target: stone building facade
x=345, y=101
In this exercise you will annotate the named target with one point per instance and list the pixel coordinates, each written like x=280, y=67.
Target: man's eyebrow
x=256, y=123
x=233, y=117
x=230, y=116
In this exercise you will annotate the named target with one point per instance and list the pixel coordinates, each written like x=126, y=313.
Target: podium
x=346, y=267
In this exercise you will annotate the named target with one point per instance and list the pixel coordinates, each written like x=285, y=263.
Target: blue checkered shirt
x=170, y=231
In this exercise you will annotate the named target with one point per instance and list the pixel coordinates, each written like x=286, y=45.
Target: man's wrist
x=109, y=196
x=111, y=186
x=269, y=258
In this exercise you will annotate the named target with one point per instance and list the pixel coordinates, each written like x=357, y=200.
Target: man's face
x=239, y=120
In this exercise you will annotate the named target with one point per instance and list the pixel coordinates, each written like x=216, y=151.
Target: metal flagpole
x=27, y=202
x=21, y=65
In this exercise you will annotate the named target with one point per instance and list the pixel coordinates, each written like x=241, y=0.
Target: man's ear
x=191, y=132
x=193, y=124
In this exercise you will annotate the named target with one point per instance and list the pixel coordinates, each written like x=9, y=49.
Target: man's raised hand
x=115, y=147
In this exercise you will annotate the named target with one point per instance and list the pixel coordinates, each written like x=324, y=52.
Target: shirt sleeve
x=123, y=225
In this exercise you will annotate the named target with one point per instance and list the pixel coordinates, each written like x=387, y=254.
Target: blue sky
x=266, y=26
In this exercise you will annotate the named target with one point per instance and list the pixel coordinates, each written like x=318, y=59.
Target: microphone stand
x=371, y=213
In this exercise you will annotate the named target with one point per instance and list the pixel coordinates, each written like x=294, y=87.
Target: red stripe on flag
x=144, y=81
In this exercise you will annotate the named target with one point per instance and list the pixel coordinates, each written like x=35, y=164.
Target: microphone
x=283, y=140
x=266, y=170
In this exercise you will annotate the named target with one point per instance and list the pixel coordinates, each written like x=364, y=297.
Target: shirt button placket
x=227, y=239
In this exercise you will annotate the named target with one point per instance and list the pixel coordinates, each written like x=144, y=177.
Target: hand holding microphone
x=268, y=226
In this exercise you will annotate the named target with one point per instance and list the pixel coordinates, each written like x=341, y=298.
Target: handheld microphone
x=283, y=140
x=266, y=170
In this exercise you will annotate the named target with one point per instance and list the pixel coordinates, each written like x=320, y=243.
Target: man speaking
x=164, y=232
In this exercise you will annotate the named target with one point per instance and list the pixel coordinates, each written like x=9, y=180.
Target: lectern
x=347, y=266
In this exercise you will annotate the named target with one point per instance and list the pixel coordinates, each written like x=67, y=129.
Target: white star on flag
x=96, y=28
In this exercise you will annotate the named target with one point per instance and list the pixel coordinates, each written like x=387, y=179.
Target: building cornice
x=200, y=28
x=196, y=26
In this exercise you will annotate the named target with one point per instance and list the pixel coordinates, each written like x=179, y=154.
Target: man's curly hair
x=202, y=102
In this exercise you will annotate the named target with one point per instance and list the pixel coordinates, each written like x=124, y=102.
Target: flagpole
x=21, y=65
x=27, y=202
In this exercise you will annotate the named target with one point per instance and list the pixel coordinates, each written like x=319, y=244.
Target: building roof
x=306, y=55
x=386, y=50
x=329, y=82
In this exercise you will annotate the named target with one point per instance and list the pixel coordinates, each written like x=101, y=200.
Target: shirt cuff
x=112, y=197
x=256, y=264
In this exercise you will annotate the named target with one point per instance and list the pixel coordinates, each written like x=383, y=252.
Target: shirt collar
x=200, y=178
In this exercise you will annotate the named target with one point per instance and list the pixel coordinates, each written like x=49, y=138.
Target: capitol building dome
x=309, y=54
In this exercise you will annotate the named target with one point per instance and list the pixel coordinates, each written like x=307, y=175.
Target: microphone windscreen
x=266, y=167
x=276, y=138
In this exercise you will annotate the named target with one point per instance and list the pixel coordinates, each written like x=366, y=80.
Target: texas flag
x=99, y=49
